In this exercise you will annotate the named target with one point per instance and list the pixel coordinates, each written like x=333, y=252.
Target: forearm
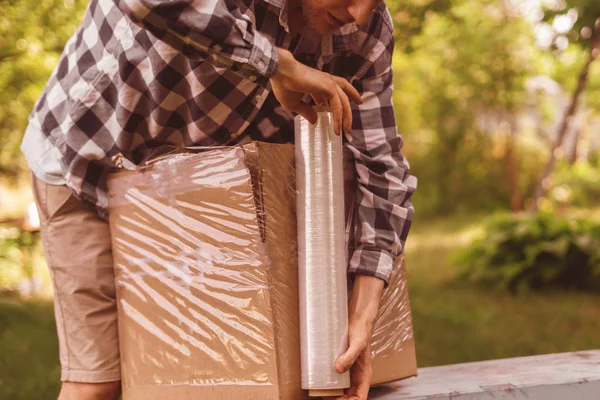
x=365, y=299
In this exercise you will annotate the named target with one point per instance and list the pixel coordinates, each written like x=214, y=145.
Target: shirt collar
x=277, y=3
x=281, y=5
x=344, y=39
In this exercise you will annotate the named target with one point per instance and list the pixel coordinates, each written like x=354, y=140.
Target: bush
x=535, y=252
x=17, y=251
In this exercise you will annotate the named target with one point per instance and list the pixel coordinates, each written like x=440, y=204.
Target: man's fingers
x=323, y=88
x=319, y=84
x=346, y=360
x=350, y=90
x=319, y=100
x=337, y=110
x=347, y=111
x=362, y=391
x=307, y=111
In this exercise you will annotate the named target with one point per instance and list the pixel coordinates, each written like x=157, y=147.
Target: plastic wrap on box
x=204, y=246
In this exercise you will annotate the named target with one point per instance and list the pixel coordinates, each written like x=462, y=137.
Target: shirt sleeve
x=215, y=30
x=383, y=209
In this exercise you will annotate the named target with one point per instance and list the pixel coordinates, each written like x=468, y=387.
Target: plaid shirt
x=140, y=75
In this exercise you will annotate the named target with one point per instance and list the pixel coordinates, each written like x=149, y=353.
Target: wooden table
x=563, y=376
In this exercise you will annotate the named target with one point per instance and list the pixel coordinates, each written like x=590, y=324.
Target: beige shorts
x=78, y=252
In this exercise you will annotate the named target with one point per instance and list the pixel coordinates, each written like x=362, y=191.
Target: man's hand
x=364, y=305
x=293, y=80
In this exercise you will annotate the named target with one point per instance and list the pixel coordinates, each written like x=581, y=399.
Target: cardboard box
x=204, y=247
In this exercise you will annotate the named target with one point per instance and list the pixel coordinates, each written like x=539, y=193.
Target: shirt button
x=217, y=48
x=259, y=98
x=252, y=78
x=261, y=64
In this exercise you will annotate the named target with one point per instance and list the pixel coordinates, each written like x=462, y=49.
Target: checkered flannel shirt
x=139, y=75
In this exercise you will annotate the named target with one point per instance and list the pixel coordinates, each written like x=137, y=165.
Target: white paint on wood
x=563, y=376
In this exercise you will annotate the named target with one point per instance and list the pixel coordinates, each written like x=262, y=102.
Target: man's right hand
x=293, y=80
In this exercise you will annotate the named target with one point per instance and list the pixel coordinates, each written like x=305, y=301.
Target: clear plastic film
x=321, y=252
x=205, y=253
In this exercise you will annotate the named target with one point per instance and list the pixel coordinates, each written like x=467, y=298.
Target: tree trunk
x=574, y=153
x=542, y=186
x=512, y=167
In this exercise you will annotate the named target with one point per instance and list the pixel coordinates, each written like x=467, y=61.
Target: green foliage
x=571, y=48
x=475, y=181
x=540, y=251
x=585, y=27
x=410, y=17
x=457, y=93
x=577, y=185
x=32, y=36
x=17, y=250
x=463, y=106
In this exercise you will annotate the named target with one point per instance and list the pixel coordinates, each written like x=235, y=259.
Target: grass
x=453, y=322
x=456, y=322
x=29, y=367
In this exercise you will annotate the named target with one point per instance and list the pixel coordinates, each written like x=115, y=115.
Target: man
x=141, y=74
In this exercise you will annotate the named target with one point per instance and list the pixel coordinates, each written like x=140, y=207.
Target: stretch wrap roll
x=322, y=256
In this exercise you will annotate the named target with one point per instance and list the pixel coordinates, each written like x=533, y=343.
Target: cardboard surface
x=205, y=255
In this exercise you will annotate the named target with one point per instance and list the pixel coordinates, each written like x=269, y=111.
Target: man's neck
x=293, y=5
x=296, y=20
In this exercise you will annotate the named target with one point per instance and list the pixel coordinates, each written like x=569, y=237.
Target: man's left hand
x=363, y=308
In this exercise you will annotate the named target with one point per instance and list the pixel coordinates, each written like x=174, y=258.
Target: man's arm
x=383, y=206
x=384, y=209
x=218, y=31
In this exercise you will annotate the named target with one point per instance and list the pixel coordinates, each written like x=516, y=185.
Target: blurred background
x=498, y=102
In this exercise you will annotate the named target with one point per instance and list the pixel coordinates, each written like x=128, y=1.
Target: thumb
x=307, y=111
x=346, y=360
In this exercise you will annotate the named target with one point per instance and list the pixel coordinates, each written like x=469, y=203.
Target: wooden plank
x=563, y=376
